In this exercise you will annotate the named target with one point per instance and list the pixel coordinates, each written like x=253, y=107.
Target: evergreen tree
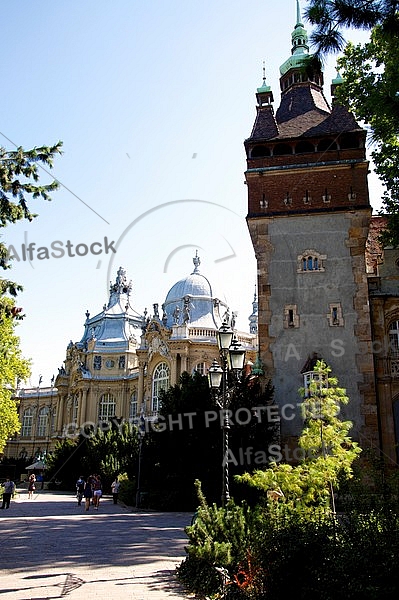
x=186, y=444
x=328, y=454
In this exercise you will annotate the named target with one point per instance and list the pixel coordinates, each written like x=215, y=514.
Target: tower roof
x=118, y=324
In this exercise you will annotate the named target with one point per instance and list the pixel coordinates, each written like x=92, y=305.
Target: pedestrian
x=80, y=486
x=9, y=487
x=88, y=492
x=97, y=491
x=115, y=485
x=31, y=486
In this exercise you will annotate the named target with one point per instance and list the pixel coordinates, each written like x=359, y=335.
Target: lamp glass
x=237, y=356
x=224, y=337
x=215, y=375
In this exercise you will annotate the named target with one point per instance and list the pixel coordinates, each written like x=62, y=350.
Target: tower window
x=291, y=317
x=310, y=261
x=326, y=145
x=335, y=318
x=281, y=149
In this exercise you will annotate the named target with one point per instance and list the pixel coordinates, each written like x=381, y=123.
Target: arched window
x=259, y=151
x=325, y=145
x=310, y=261
x=75, y=407
x=281, y=149
x=133, y=406
x=200, y=368
x=27, y=422
x=160, y=381
x=42, y=422
x=106, y=409
x=394, y=338
x=303, y=147
x=349, y=140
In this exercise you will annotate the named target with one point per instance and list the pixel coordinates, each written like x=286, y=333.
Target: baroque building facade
x=124, y=359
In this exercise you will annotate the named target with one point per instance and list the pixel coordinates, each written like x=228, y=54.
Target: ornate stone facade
x=125, y=359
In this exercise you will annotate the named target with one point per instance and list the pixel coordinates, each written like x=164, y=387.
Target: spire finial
x=264, y=72
x=298, y=14
x=196, y=261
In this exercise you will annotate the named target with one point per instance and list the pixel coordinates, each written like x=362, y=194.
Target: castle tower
x=308, y=217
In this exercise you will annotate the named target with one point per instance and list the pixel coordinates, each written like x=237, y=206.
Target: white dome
x=191, y=301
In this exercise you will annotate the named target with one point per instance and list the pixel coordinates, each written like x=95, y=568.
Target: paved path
x=51, y=548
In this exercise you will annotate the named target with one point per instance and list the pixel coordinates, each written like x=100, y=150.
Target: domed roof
x=191, y=301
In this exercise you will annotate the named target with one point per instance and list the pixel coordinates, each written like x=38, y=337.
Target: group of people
x=92, y=490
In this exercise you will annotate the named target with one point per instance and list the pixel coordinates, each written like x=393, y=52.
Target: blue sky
x=152, y=101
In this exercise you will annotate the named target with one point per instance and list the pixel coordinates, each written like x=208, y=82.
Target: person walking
x=115, y=485
x=88, y=493
x=80, y=487
x=9, y=487
x=31, y=486
x=97, y=491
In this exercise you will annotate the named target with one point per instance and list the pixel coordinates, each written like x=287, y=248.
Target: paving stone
x=52, y=548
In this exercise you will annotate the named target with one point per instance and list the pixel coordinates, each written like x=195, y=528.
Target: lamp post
x=141, y=433
x=222, y=382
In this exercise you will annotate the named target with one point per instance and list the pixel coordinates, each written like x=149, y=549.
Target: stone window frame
x=335, y=317
x=133, y=406
x=106, y=407
x=315, y=257
x=27, y=422
x=43, y=422
x=291, y=316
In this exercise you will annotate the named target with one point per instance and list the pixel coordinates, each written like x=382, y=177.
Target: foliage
x=108, y=451
x=371, y=82
x=331, y=17
x=19, y=180
x=20, y=183
x=12, y=368
x=328, y=454
x=292, y=543
x=186, y=442
x=127, y=490
x=219, y=540
x=66, y=463
x=370, y=90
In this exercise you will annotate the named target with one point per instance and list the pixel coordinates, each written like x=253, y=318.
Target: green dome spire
x=300, y=48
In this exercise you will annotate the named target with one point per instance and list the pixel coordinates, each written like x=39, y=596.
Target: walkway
x=51, y=548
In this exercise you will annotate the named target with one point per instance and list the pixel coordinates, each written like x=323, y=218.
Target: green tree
x=19, y=183
x=327, y=449
x=186, y=443
x=12, y=367
x=371, y=91
x=371, y=82
x=332, y=17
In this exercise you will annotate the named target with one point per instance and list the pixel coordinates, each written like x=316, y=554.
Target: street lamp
x=222, y=382
x=141, y=433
